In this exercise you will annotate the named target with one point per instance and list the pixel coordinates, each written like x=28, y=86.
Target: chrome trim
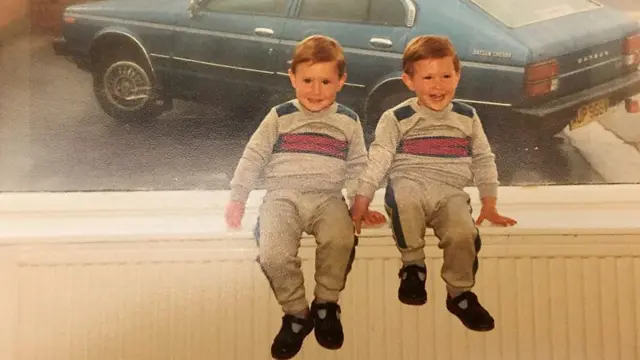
x=484, y=102
x=160, y=56
x=512, y=68
x=144, y=51
x=410, y=9
x=222, y=65
x=617, y=58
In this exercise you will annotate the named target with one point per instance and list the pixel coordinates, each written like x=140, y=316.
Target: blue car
x=529, y=67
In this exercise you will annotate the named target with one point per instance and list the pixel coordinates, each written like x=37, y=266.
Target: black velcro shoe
x=412, y=289
x=467, y=308
x=328, y=328
x=289, y=339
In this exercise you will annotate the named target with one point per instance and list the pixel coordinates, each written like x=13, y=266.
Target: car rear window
x=515, y=13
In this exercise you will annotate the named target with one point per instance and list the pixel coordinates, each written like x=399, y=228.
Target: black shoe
x=467, y=308
x=412, y=285
x=328, y=328
x=289, y=340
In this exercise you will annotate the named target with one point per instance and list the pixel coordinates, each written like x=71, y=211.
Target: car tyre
x=125, y=90
x=377, y=106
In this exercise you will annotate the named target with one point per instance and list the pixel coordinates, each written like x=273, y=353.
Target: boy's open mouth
x=437, y=98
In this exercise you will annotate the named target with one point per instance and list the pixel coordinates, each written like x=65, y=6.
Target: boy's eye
x=446, y=76
x=306, y=80
x=326, y=82
x=428, y=77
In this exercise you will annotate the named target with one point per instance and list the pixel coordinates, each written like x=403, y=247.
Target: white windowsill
x=27, y=218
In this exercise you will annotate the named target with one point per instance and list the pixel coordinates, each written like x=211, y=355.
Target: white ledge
x=199, y=215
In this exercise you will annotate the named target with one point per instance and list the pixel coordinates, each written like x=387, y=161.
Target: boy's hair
x=428, y=47
x=318, y=49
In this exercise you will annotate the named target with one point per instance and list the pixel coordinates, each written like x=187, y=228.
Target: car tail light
x=541, y=78
x=631, y=50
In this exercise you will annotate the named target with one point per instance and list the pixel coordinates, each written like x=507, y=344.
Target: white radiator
x=554, y=298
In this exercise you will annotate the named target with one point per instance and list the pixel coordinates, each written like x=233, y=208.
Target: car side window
x=252, y=7
x=388, y=12
x=335, y=10
x=384, y=12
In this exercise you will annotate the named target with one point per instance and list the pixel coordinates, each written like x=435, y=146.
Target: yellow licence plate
x=589, y=112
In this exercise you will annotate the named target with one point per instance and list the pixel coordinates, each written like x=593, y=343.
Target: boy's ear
x=406, y=79
x=292, y=78
x=458, y=74
x=341, y=81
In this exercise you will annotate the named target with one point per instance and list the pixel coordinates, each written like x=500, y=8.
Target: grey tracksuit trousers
x=284, y=216
x=413, y=207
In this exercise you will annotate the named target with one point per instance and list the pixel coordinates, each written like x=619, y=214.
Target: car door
x=373, y=33
x=228, y=40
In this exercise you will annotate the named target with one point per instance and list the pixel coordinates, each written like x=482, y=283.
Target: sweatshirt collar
x=329, y=110
x=428, y=112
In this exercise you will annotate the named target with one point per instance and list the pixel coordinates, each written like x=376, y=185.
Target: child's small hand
x=358, y=211
x=234, y=213
x=374, y=218
x=491, y=213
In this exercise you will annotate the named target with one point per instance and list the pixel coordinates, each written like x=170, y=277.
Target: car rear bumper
x=616, y=90
x=60, y=46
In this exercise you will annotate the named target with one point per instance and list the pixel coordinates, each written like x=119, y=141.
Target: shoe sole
x=326, y=345
x=287, y=356
x=412, y=301
x=478, y=329
x=468, y=326
x=330, y=346
x=292, y=354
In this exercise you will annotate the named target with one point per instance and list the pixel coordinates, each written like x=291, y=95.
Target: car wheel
x=125, y=90
x=377, y=106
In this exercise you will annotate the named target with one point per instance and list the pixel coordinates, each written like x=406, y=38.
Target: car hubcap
x=127, y=85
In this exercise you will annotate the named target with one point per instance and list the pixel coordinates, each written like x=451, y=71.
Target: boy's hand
x=374, y=218
x=234, y=213
x=359, y=211
x=489, y=212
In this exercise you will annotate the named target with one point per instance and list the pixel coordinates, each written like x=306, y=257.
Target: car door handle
x=381, y=43
x=263, y=32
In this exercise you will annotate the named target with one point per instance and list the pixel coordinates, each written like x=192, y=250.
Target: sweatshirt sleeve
x=356, y=160
x=255, y=157
x=381, y=154
x=483, y=166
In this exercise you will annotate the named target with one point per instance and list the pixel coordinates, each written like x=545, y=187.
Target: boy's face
x=434, y=81
x=317, y=84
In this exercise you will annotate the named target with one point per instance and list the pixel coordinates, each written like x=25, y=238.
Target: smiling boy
x=309, y=149
x=431, y=147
